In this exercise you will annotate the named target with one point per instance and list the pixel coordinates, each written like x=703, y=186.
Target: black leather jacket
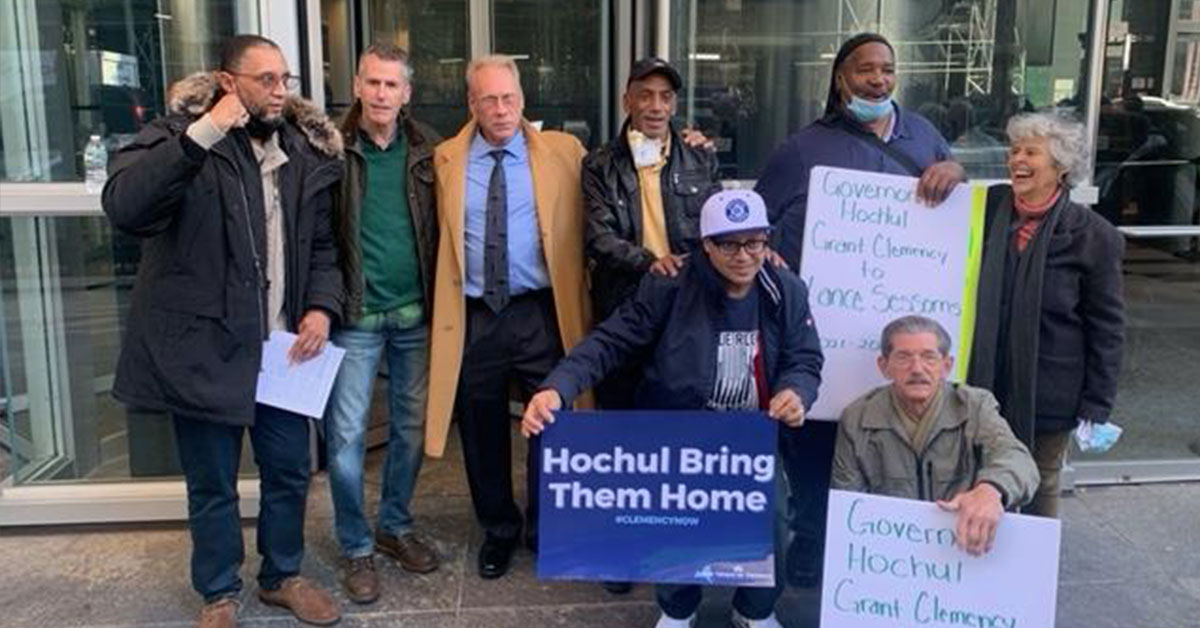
x=614, y=231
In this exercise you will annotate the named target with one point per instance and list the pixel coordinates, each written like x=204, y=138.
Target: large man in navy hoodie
x=862, y=129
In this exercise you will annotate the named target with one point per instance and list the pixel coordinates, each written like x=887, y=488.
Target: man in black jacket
x=643, y=193
x=725, y=333
x=862, y=129
x=231, y=193
x=387, y=235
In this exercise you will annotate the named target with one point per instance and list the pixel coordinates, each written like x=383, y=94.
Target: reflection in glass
x=338, y=51
x=64, y=292
x=558, y=52
x=435, y=34
x=99, y=67
x=1186, y=80
x=70, y=69
x=1147, y=163
x=758, y=70
x=1189, y=10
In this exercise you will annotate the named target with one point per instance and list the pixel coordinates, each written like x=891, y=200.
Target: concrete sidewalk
x=1131, y=559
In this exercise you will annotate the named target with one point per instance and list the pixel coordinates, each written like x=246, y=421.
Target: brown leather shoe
x=219, y=614
x=308, y=602
x=412, y=553
x=361, y=580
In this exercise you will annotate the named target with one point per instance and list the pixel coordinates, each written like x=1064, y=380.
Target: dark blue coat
x=674, y=319
x=1051, y=324
x=837, y=142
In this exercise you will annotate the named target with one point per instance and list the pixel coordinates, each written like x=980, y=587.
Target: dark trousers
x=210, y=453
x=808, y=462
x=521, y=343
x=149, y=435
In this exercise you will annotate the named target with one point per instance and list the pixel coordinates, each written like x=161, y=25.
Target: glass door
x=71, y=70
x=561, y=49
x=436, y=35
x=562, y=52
x=758, y=70
x=1148, y=175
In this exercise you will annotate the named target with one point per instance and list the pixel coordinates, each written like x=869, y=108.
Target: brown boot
x=308, y=602
x=361, y=580
x=412, y=553
x=219, y=614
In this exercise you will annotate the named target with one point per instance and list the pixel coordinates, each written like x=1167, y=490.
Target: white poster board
x=873, y=253
x=892, y=563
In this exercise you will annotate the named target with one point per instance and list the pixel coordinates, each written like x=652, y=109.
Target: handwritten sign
x=893, y=562
x=684, y=497
x=872, y=254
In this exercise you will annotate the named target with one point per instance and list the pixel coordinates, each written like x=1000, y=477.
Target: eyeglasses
x=905, y=359
x=729, y=248
x=269, y=80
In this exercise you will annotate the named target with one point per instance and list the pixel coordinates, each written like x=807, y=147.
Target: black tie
x=495, y=240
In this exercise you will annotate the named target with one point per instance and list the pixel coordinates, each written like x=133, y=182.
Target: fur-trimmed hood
x=193, y=97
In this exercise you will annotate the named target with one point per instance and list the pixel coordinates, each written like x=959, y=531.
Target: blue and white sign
x=684, y=497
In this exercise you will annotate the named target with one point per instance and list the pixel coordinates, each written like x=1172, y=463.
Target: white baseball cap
x=731, y=211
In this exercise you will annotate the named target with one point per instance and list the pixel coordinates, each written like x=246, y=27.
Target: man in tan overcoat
x=509, y=293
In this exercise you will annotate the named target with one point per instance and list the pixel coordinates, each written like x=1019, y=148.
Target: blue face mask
x=869, y=110
x=1097, y=437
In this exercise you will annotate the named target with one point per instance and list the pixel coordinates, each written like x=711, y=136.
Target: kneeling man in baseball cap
x=728, y=332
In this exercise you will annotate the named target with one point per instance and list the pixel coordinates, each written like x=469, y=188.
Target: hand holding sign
x=979, y=511
x=786, y=406
x=666, y=496
x=938, y=181
x=872, y=253
x=893, y=563
x=540, y=411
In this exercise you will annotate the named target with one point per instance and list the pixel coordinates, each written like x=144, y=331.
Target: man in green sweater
x=387, y=234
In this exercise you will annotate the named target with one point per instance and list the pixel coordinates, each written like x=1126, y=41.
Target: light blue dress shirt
x=526, y=263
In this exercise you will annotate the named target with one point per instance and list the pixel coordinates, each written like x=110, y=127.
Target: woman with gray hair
x=1050, y=323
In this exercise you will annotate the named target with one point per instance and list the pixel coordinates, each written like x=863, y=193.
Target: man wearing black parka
x=231, y=196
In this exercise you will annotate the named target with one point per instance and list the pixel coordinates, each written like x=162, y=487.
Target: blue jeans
x=407, y=347
x=209, y=453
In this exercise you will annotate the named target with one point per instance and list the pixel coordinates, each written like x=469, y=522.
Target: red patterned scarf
x=1030, y=217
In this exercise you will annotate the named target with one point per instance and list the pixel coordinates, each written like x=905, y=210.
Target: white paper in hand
x=302, y=388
